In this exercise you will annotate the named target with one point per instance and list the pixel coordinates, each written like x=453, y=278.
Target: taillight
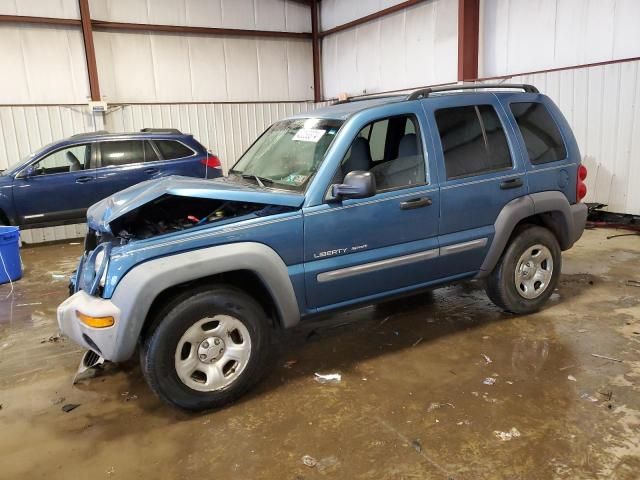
x=581, y=188
x=211, y=161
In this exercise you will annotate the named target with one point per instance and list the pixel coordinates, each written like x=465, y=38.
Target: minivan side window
x=121, y=152
x=540, y=133
x=473, y=141
x=170, y=149
x=70, y=159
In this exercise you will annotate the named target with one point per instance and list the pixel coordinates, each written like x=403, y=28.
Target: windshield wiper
x=259, y=180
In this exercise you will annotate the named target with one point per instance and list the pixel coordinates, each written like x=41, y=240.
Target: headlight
x=100, y=257
x=95, y=270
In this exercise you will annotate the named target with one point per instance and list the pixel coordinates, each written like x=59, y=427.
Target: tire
x=527, y=272
x=185, y=332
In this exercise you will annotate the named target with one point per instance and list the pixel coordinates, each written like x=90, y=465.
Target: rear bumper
x=579, y=213
x=103, y=341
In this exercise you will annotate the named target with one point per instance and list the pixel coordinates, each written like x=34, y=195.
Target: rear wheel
x=527, y=272
x=207, y=349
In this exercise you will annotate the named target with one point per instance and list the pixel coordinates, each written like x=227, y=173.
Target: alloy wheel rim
x=212, y=353
x=534, y=271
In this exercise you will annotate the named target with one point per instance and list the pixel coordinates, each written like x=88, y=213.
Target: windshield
x=289, y=153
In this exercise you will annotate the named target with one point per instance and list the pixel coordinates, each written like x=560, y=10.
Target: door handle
x=511, y=183
x=151, y=170
x=84, y=179
x=416, y=203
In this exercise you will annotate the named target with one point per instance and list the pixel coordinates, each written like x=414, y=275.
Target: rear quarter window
x=540, y=133
x=170, y=149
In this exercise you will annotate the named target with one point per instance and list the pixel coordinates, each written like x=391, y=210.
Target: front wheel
x=527, y=272
x=207, y=350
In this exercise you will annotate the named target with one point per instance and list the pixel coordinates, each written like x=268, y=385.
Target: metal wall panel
x=602, y=105
x=411, y=48
x=529, y=35
x=277, y=15
x=41, y=8
x=170, y=68
x=339, y=12
x=42, y=64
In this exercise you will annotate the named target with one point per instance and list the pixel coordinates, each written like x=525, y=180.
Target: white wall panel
x=339, y=12
x=41, y=8
x=528, y=35
x=602, y=105
x=152, y=67
x=277, y=15
x=410, y=48
x=42, y=65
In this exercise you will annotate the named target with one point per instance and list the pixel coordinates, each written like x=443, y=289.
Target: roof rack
x=174, y=131
x=425, y=92
x=362, y=99
x=90, y=134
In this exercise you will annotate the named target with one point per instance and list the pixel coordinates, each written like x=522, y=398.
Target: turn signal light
x=95, y=322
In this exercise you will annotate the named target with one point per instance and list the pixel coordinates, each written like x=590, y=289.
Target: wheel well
x=553, y=221
x=244, y=280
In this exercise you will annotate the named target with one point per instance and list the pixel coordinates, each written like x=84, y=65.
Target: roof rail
x=425, y=92
x=362, y=99
x=174, y=131
x=90, y=134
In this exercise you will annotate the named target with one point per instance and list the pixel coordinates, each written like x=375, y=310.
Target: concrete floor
x=411, y=403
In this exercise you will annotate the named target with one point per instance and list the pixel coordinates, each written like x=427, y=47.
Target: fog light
x=95, y=322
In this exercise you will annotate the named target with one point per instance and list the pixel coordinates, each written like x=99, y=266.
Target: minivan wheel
x=527, y=272
x=207, y=349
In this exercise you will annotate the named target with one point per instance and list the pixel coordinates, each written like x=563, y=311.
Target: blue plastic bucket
x=10, y=265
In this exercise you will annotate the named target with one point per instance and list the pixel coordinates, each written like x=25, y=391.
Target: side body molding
x=565, y=220
x=139, y=287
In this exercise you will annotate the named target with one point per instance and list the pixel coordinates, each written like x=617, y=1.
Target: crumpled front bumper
x=103, y=341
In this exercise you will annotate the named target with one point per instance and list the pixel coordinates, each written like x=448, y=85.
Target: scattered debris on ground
x=489, y=381
x=633, y=283
x=417, y=342
x=416, y=445
x=69, y=407
x=52, y=339
x=328, y=378
x=289, y=363
x=572, y=378
x=435, y=405
x=487, y=360
x=506, y=436
x=606, y=358
x=28, y=304
x=58, y=276
x=129, y=396
x=309, y=461
x=58, y=401
x=591, y=398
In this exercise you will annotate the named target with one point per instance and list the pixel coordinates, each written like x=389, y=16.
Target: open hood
x=101, y=214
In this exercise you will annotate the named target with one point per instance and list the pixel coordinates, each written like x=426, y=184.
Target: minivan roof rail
x=162, y=130
x=425, y=92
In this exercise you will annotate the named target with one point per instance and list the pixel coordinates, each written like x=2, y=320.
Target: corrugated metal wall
x=529, y=35
x=414, y=47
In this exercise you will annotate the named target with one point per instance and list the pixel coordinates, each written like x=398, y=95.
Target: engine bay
x=171, y=213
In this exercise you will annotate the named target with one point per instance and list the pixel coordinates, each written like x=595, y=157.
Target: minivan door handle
x=511, y=183
x=84, y=179
x=416, y=203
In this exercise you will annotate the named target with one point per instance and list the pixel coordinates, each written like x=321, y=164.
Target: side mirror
x=356, y=184
x=27, y=172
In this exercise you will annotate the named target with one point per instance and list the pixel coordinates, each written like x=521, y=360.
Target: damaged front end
x=131, y=220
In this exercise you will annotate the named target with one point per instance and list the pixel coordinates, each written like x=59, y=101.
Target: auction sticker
x=309, y=135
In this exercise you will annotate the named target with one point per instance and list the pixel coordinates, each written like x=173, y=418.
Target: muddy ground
x=414, y=400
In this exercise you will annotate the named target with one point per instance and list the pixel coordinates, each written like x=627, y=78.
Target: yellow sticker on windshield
x=309, y=135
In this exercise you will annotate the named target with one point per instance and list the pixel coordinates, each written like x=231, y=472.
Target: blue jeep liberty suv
x=347, y=205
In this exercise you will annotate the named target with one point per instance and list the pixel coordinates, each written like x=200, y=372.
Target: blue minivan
x=56, y=184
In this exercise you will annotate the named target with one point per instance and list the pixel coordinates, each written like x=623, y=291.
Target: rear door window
x=540, y=133
x=473, y=141
x=122, y=152
x=170, y=149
